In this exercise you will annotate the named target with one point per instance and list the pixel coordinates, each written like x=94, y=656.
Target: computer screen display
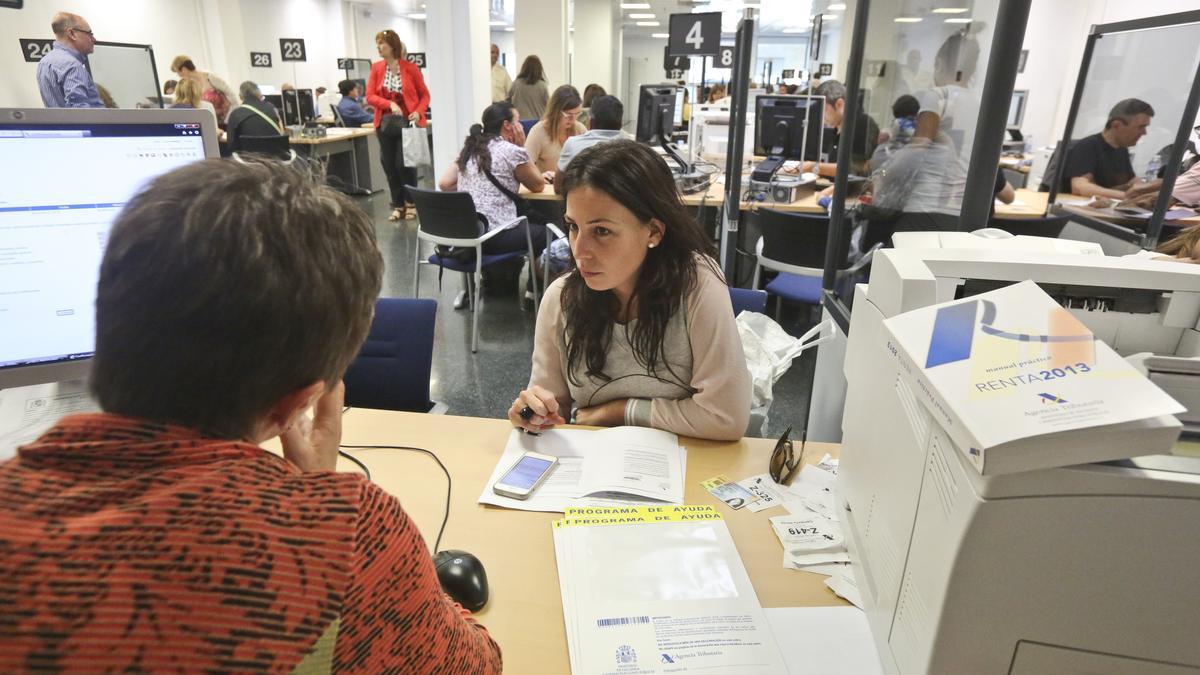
x=657, y=108
x=1016, y=108
x=789, y=126
x=61, y=187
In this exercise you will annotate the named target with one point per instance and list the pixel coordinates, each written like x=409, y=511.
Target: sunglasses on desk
x=784, y=459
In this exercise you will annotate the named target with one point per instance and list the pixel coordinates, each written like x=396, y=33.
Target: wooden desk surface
x=524, y=612
x=333, y=135
x=1108, y=215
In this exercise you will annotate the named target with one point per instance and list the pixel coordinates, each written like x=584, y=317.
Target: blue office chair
x=528, y=124
x=792, y=244
x=450, y=219
x=392, y=370
x=747, y=300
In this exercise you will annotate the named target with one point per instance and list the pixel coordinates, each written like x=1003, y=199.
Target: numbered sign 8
x=35, y=50
x=724, y=58
x=292, y=49
x=260, y=59
x=695, y=34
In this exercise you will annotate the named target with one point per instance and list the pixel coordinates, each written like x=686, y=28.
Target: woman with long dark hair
x=641, y=332
x=395, y=87
x=495, y=146
x=529, y=92
x=560, y=122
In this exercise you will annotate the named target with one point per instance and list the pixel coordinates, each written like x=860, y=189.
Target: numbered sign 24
x=260, y=59
x=695, y=34
x=35, y=50
x=292, y=49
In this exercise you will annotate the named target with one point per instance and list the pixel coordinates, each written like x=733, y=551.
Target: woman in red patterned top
x=158, y=535
x=395, y=87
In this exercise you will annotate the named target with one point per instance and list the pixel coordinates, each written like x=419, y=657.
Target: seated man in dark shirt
x=866, y=134
x=349, y=109
x=254, y=117
x=1098, y=165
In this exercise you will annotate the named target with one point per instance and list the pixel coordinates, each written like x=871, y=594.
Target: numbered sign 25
x=35, y=50
x=292, y=49
x=260, y=59
x=724, y=58
x=695, y=34
x=417, y=59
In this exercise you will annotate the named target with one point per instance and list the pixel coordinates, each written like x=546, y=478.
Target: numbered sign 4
x=260, y=59
x=292, y=49
x=35, y=50
x=695, y=34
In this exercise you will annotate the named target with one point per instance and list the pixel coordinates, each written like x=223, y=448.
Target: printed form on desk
x=658, y=589
x=27, y=412
x=621, y=465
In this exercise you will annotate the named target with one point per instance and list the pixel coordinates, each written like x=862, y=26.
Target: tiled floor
x=484, y=384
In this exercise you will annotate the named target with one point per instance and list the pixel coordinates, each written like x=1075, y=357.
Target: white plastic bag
x=769, y=353
x=415, y=141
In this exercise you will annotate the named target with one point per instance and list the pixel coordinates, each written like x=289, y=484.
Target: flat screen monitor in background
x=787, y=127
x=275, y=100
x=267, y=89
x=1016, y=108
x=298, y=106
x=677, y=120
x=656, y=117
x=53, y=232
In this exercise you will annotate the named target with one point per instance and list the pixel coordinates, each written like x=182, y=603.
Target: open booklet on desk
x=615, y=466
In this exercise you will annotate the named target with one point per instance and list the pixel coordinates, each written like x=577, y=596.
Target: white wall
x=508, y=50
x=593, y=44
x=153, y=22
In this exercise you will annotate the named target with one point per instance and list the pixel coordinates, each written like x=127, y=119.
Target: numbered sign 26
x=724, y=58
x=36, y=49
x=417, y=59
x=695, y=34
x=260, y=59
x=292, y=49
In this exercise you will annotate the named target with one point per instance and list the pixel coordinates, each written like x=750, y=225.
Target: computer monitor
x=1016, y=108
x=656, y=111
x=275, y=100
x=789, y=126
x=53, y=231
x=298, y=106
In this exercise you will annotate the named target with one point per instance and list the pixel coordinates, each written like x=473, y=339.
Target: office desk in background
x=1028, y=203
x=524, y=613
x=351, y=153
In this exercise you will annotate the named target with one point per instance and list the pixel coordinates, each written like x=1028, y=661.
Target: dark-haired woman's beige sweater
x=705, y=392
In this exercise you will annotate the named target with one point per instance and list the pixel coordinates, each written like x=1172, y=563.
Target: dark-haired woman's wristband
x=637, y=412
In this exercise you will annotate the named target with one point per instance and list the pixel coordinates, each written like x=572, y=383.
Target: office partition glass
x=921, y=119
x=125, y=75
x=1135, y=100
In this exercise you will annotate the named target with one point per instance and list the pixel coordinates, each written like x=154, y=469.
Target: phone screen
x=526, y=472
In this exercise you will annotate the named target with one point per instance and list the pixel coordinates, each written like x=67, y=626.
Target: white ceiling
x=776, y=17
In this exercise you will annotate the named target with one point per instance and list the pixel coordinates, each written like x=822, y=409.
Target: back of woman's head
x=563, y=99
x=188, y=91
x=635, y=177
x=590, y=93
x=532, y=70
x=480, y=136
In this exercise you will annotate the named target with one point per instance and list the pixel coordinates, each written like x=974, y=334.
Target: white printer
x=1089, y=568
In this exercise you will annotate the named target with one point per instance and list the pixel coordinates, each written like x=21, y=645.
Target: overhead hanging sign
x=260, y=59
x=292, y=49
x=35, y=49
x=695, y=34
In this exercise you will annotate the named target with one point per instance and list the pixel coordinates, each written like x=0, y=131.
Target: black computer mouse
x=462, y=577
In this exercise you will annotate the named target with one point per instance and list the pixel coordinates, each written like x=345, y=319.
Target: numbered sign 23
x=260, y=59
x=417, y=59
x=695, y=34
x=35, y=50
x=292, y=49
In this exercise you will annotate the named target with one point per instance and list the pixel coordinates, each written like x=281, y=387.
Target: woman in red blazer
x=395, y=87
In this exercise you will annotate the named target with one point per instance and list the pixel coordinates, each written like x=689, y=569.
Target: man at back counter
x=1098, y=165
x=866, y=132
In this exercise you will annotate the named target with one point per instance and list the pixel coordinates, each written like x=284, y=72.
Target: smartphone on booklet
x=525, y=476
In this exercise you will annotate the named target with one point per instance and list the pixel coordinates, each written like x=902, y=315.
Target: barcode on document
x=622, y=621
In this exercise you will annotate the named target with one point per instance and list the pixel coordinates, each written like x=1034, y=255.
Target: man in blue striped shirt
x=63, y=77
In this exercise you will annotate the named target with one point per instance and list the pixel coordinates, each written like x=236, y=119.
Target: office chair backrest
x=747, y=300
x=391, y=371
x=337, y=115
x=276, y=146
x=447, y=214
x=1035, y=227
x=794, y=238
x=528, y=124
